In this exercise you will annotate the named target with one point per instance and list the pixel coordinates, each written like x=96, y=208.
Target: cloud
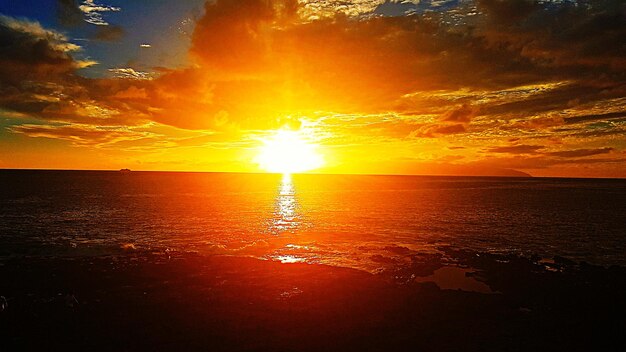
x=132, y=92
x=55, y=40
x=369, y=64
x=38, y=78
x=249, y=52
x=477, y=75
x=79, y=134
x=142, y=138
x=31, y=52
x=563, y=36
x=317, y=9
x=94, y=12
x=578, y=153
x=464, y=114
x=509, y=11
x=595, y=117
x=516, y=149
x=534, y=156
x=434, y=131
x=72, y=13
x=129, y=73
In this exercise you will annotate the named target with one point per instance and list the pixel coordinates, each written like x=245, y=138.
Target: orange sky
x=483, y=87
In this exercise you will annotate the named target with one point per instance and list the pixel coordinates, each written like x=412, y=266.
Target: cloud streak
x=94, y=12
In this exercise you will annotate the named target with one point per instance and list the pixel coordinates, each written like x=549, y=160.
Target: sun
x=288, y=152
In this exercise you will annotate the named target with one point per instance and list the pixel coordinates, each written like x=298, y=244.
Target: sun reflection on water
x=286, y=217
x=287, y=221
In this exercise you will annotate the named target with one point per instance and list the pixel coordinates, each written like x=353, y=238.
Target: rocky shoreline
x=186, y=301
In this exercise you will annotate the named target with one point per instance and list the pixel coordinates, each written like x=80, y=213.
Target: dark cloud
x=555, y=99
x=508, y=12
x=516, y=149
x=599, y=132
x=563, y=36
x=464, y=114
x=595, y=117
x=29, y=51
x=533, y=157
x=578, y=153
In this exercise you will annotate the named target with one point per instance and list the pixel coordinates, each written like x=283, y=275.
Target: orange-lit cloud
x=480, y=87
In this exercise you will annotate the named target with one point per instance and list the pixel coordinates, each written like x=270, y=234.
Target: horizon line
x=318, y=173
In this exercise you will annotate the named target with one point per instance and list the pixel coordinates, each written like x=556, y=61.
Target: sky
x=441, y=87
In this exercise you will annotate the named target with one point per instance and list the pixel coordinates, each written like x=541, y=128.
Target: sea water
x=345, y=220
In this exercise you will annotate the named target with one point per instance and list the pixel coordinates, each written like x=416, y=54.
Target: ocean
x=363, y=222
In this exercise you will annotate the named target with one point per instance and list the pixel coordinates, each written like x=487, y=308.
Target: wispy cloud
x=579, y=153
x=94, y=13
x=130, y=73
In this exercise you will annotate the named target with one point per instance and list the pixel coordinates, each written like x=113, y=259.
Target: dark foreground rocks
x=201, y=303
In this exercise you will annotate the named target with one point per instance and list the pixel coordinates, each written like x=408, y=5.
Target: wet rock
x=563, y=261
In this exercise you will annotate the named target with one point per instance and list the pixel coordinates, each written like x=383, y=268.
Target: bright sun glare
x=288, y=152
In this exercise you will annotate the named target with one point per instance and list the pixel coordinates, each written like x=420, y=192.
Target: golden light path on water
x=286, y=217
x=285, y=213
